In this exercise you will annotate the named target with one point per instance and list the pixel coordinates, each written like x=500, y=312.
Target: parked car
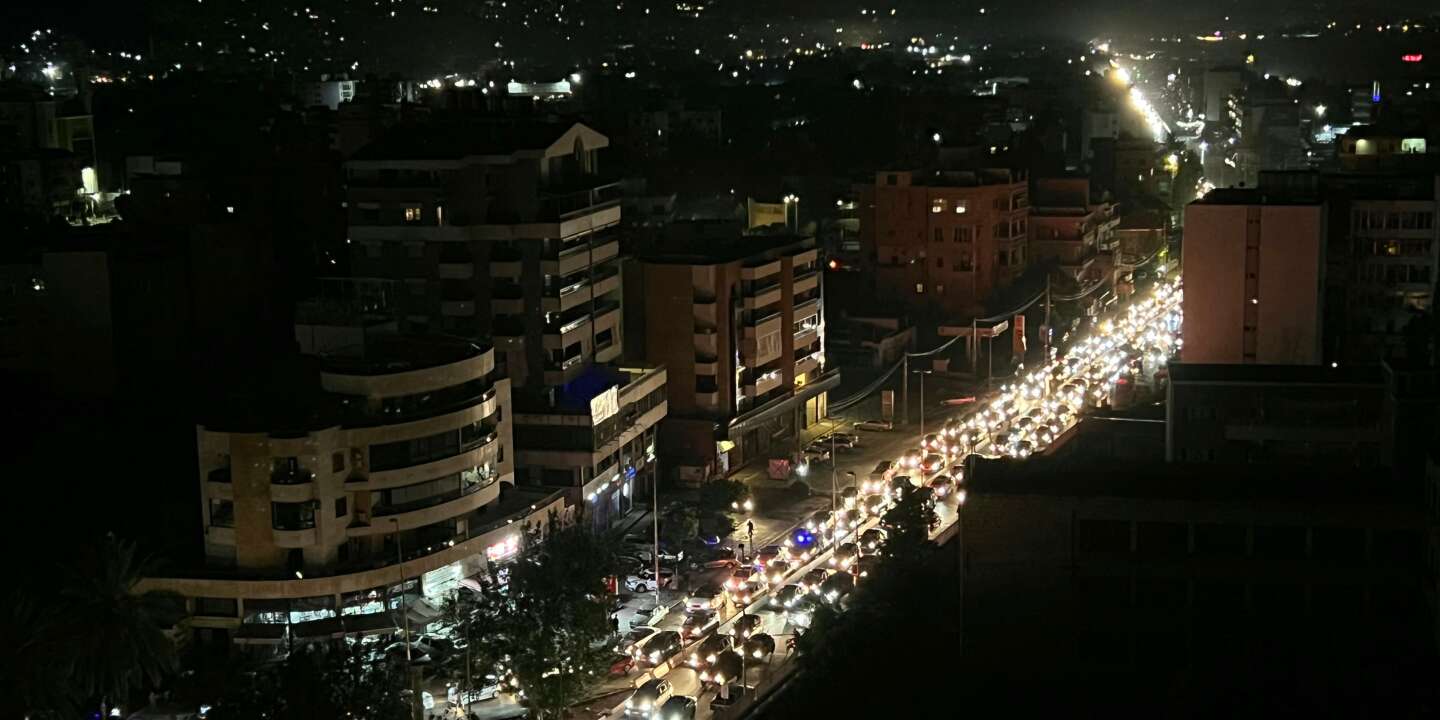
x=817, y=451
x=875, y=425
x=643, y=580
x=621, y=664
x=648, y=697
x=706, y=597
x=715, y=557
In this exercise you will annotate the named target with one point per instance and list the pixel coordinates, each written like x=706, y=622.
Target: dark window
x=341, y=507
x=222, y=513
x=1288, y=542
x=293, y=516
x=1161, y=539
x=337, y=462
x=1161, y=593
x=1211, y=539
x=1337, y=545
x=1104, y=536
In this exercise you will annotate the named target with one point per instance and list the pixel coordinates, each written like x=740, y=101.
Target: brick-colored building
x=756, y=368
x=939, y=242
x=1254, y=279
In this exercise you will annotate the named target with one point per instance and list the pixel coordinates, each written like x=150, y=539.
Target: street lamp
x=1320, y=111
x=922, y=374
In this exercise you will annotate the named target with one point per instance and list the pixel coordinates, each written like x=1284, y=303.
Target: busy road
x=730, y=636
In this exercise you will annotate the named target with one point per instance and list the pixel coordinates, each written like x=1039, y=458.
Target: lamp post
x=655, y=529
x=405, y=614
x=922, y=374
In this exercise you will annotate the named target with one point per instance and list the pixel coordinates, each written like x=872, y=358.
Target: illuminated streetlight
x=1320, y=111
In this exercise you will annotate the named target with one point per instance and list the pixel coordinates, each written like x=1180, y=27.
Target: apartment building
x=502, y=230
x=756, y=370
x=508, y=231
x=1067, y=228
x=938, y=242
x=1254, y=278
x=378, y=475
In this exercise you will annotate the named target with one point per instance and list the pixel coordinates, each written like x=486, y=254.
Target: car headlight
x=630, y=703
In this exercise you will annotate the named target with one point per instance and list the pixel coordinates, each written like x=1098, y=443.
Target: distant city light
x=1412, y=57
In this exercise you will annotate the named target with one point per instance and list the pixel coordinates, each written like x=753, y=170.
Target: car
x=705, y=654
x=745, y=626
x=766, y=554
x=864, y=566
x=726, y=668
x=932, y=443
x=879, y=476
x=874, y=504
x=739, y=578
x=698, y=623
x=785, y=596
x=837, y=586
x=899, y=485
x=659, y=648
x=849, y=440
x=646, y=698
x=818, y=521
x=875, y=425
x=813, y=579
x=872, y=539
x=844, y=555
x=759, y=647
x=621, y=664
x=911, y=460
x=849, y=497
x=932, y=463
x=941, y=485
x=630, y=642
x=679, y=707
x=643, y=580
x=715, y=557
x=706, y=597
x=776, y=571
x=818, y=451
x=800, y=613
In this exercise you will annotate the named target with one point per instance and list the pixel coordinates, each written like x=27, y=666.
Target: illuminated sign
x=1412, y=57
x=503, y=549
x=605, y=405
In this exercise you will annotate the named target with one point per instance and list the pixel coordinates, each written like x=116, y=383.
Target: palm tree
x=112, y=640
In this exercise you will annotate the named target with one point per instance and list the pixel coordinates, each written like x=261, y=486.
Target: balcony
x=805, y=282
x=762, y=270
x=457, y=308
x=606, y=283
x=705, y=312
x=291, y=476
x=807, y=363
x=761, y=325
x=566, y=204
x=433, y=500
x=805, y=336
x=764, y=383
x=705, y=338
x=456, y=270
x=219, y=475
x=707, y=399
x=763, y=296
x=705, y=364
x=807, y=309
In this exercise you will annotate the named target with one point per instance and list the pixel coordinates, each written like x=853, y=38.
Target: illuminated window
x=1412, y=145
x=919, y=288
x=938, y=205
x=412, y=214
x=961, y=206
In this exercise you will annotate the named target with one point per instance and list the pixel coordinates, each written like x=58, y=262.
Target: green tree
x=551, y=622
x=908, y=526
x=721, y=495
x=314, y=682
x=679, y=526
x=112, y=640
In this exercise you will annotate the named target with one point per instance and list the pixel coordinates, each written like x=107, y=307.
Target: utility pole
x=1046, y=325
x=905, y=388
x=833, y=493
x=405, y=614
x=655, y=529
x=922, y=374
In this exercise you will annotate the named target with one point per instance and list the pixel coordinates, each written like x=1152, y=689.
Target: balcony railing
x=433, y=500
x=291, y=476
x=562, y=205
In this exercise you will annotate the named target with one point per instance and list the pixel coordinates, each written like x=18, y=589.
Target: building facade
x=1254, y=279
x=940, y=242
x=756, y=369
x=1067, y=228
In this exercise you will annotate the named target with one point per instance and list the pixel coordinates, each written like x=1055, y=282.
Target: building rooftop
x=1255, y=196
x=453, y=139
x=1177, y=481
x=1276, y=374
x=385, y=354
x=710, y=251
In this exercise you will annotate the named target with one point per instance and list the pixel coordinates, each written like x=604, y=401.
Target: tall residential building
x=756, y=370
x=508, y=230
x=940, y=242
x=1067, y=228
x=1254, y=279
x=377, y=473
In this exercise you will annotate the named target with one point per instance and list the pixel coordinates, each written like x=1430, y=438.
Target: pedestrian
x=615, y=623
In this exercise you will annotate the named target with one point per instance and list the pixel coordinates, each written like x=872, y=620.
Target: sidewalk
x=756, y=472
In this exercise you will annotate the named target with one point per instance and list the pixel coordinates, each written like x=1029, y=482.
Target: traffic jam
x=824, y=558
